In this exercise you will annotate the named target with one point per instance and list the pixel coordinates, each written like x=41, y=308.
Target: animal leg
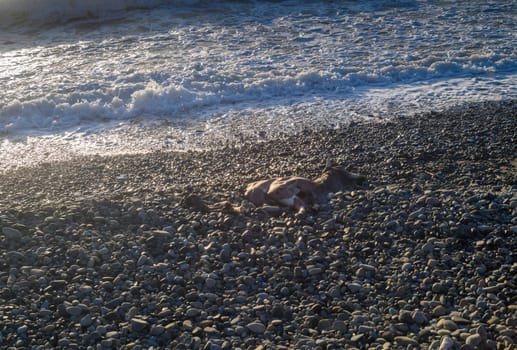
x=300, y=206
x=197, y=203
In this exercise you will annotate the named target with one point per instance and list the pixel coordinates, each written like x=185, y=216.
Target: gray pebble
x=74, y=310
x=419, y=317
x=404, y=340
x=12, y=234
x=447, y=324
x=210, y=282
x=256, y=327
x=138, y=324
x=193, y=312
x=354, y=287
x=86, y=320
x=473, y=340
x=405, y=316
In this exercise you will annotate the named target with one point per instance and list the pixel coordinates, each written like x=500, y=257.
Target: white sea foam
x=238, y=67
x=62, y=111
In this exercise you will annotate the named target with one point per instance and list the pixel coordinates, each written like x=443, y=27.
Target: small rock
x=157, y=330
x=314, y=271
x=407, y=267
x=225, y=253
x=403, y=340
x=484, y=229
x=15, y=258
x=447, y=324
x=138, y=324
x=438, y=288
x=433, y=201
x=256, y=327
x=324, y=324
x=357, y=337
x=22, y=330
x=74, y=310
x=363, y=329
x=473, y=340
x=419, y=317
x=405, y=316
x=210, y=282
x=446, y=344
x=210, y=330
x=211, y=345
x=193, y=312
x=459, y=320
x=495, y=288
x=481, y=330
x=86, y=321
x=37, y=272
x=12, y=234
x=58, y=284
x=85, y=289
x=142, y=260
x=340, y=326
x=354, y=287
x=439, y=310
x=428, y=248
x=63, y=343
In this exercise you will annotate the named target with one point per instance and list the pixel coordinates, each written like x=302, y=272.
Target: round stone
x=74, y=310
x=473, y=340
x=256, y=327
x=157, y=330
x=419, y=317
x=193, y=312
x=446, y=344
x=86, y=321
x=440, y=310
x=403, y=340
x=210, y=282
x=85, y=289
x=11, y=234
x=354, y=287
x=439, y=288
x=405, y=316
x=447, y=324
x=407, y=267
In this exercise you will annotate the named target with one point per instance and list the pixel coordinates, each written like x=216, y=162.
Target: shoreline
x=108, y=255
x=287, y=155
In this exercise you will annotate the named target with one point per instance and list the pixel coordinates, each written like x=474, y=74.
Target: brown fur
x=294, y=192
x=299, y=192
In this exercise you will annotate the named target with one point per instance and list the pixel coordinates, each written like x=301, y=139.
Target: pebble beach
x=101, y=253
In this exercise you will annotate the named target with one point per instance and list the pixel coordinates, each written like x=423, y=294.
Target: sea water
x=130, y=76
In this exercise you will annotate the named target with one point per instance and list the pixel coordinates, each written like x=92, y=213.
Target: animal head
x=336, y=178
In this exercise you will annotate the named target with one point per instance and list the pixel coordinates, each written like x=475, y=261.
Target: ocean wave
x=219, y=93
x=59, y=11
x=179, y=62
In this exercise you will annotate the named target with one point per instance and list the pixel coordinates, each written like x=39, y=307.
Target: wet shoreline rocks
x=421, y=257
